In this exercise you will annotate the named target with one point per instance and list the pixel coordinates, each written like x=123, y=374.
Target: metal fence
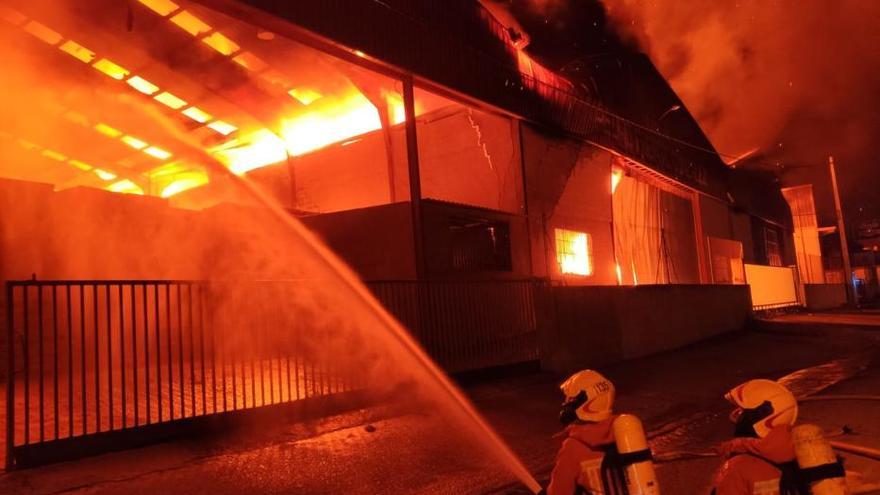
x=88, y=359
x=467, y=325
x=91, y=357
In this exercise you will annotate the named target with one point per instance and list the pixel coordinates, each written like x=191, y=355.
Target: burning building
x=493, y=204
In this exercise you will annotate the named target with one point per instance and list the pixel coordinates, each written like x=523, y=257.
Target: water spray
x=400, y=336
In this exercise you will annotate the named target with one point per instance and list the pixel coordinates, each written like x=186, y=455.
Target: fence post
x=10, y=379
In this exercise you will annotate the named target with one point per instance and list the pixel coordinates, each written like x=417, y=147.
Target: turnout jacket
x=752, y=464
x=579, y=462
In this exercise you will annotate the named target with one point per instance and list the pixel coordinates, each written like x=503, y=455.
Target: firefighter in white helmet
x=602, y=453
x=587, y=416
x=760, y=460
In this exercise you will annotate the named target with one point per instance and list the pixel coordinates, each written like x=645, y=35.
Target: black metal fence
x=87, y=359
x=467, y=325
x=90, y=357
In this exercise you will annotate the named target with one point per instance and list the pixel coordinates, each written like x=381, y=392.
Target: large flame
x=335, y=121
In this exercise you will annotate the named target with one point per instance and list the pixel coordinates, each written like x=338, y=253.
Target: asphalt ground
x=410, y=448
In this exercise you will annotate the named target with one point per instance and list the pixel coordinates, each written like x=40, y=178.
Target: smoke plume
x=796, y=79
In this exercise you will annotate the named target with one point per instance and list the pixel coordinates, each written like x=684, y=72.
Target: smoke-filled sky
x=796, y=79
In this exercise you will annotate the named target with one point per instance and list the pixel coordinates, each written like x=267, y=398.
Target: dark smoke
x=798, y=80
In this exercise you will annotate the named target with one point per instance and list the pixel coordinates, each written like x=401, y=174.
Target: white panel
x=771, y=285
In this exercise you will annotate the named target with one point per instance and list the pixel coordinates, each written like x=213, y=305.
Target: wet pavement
x=401, y=450
x=864, y=318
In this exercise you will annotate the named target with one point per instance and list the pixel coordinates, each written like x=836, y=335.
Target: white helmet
x=589, y=396
x=761, y=405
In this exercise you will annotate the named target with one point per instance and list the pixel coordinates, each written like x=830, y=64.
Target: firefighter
x=587, y=416
x=603, y=453
x=760, y=460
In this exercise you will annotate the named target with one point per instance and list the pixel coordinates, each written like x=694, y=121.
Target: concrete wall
x=591, y=326
x=824, y=296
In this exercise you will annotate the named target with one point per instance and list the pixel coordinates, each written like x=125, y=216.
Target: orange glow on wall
x=396, y=109
x=573, y=252
x=616, y=176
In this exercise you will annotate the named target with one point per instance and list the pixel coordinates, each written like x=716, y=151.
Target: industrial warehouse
x=501, y=211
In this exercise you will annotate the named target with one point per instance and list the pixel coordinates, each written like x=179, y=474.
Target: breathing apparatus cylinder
x=635, y=456
x=818, y=462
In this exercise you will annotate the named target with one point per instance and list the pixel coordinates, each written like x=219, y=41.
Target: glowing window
x=221, y=44
x=222, y=127
x=104, y=175
x=134, y=142
x=161, y=7
x=77, y=51
x=111, y=69
x=158, y=153
x=107, y=130
x=11, y=16
x=250, y=61
x=190, y=23
x=573, y=252
x=304, y=95
x=169, y=100
x=42, y=32
x=125, y=186
x=197, y=114
x=54, y=155
x=80, y=165
x=142, y=85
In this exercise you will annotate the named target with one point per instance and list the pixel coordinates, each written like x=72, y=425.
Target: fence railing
x=467, y=325
x=91, y=357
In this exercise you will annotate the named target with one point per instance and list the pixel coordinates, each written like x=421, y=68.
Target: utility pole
x=841, y=229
